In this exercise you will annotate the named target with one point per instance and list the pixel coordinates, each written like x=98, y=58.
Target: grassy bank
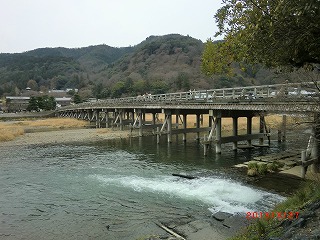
x=267, y=226
x=10, y=130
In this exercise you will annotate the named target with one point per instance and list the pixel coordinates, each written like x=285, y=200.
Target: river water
x=118, y=189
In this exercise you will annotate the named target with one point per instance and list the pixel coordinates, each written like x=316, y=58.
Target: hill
x=158, y=64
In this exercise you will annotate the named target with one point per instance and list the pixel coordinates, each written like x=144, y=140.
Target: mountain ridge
x=158, y=64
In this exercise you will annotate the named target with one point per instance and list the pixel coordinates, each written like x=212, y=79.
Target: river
x=118, y=189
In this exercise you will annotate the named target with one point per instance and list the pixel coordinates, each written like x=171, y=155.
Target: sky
x=29, y=24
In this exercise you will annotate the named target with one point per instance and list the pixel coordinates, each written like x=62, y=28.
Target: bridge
x=216, y=104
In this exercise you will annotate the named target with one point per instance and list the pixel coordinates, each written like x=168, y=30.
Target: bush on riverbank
x=256, y=169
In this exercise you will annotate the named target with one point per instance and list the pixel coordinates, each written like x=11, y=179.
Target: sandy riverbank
x=66, y=136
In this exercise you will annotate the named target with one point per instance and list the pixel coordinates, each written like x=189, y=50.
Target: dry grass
x=11, y=130
x=53, y=123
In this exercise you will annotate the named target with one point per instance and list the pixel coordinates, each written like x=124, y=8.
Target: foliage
x=272, y=167
x=41, y=103
x=33, y=104
x=253, y=165
x=262, y=168
x=257, y=169
x=77, y=99
x=98, y=91
x=280, y=33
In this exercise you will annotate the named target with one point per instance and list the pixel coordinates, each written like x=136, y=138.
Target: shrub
x=252, y=169
x=253, y=165
x=262, y=169
x=273, y=167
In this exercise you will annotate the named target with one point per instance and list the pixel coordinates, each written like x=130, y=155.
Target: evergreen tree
x=33, y=104
x=77, y=99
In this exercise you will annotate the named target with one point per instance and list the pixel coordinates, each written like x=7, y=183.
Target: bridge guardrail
x=279, y=91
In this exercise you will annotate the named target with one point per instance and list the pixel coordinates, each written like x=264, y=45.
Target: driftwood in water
x=183, y=176
x=170, y=231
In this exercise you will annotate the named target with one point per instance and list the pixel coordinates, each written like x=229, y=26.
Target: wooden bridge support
x=284, y=127
x=140, y=116
x=249, y=129
x=282, y=132
x=235, y=132
x=169, y=126
x=184, y=124
x=97, y=116
x=218, y=132
x=122, y=116
x=107, y=118
x=198, y=125
x=262, y=128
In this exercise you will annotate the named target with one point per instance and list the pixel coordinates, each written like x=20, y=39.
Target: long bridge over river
x=216, y=104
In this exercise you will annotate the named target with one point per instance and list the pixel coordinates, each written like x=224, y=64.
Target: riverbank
x=54, y=136
x=53, y=131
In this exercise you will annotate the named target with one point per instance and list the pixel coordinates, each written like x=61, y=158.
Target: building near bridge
x=20, y=104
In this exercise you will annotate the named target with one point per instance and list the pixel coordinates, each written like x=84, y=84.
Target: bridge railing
x=288, y=90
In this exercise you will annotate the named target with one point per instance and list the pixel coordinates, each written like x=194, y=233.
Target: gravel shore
x=60, y=136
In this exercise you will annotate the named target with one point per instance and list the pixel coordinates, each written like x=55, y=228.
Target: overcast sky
x=31, y=24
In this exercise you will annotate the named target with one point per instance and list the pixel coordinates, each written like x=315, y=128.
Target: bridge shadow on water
x=190, y=153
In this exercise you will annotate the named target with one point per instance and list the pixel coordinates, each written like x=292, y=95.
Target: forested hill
x=158, y=64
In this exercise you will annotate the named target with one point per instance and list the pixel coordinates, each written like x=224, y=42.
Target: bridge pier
x=249, y=129
x=169, y=126
x=282, y=132
x=235, y=132
x=184, y=124
x=284, y=127
x=140, y=123
x=198, y=125
x=98, y=123
x=261, y=128
x=107, y=118
x=218, y=132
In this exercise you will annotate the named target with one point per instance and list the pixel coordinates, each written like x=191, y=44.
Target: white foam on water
x=221, y=194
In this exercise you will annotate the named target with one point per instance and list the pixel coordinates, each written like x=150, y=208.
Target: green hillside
x=158, y=64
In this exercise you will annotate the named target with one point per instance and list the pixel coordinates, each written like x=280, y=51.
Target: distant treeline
x=157, y=65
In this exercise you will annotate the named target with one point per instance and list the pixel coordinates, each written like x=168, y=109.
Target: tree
x=41, y=103
x=77, y=99
x=118, y=89
x=32, y=84
x=33, y=104
x=278, y=33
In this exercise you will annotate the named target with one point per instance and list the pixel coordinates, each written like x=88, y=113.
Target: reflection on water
x=117, y=189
